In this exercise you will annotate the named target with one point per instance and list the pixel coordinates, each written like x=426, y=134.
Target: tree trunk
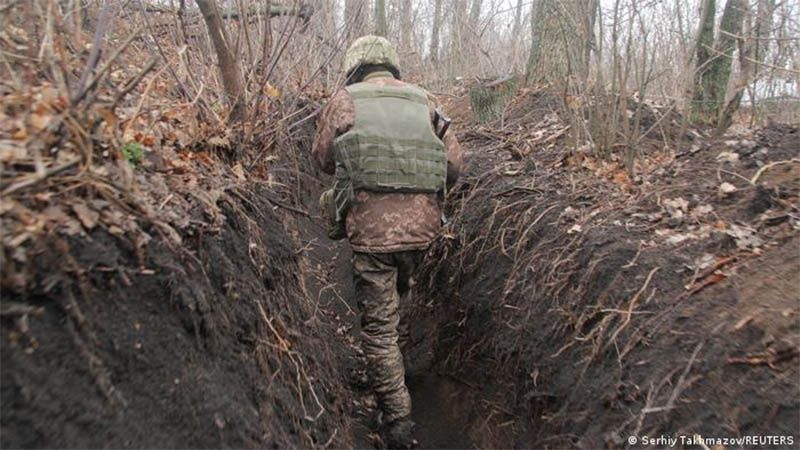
x=229, y=65
x=472, y=33
x=763, y=24
x=405, y=25
x=475, y=15
x=701, y=102
x=437, y=24
x=355, y=12
x=588, y=20
x=714, y=62
x=515, y=31
x=489, y=100
x=537, y=19
x=730, y=28
x=753, y=47
x=380, y=18
x=457, y=34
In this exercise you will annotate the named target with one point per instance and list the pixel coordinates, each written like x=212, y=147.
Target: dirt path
x=439, y=406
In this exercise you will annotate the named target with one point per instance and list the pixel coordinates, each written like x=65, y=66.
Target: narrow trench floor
x=439, y=405
x=436, y=403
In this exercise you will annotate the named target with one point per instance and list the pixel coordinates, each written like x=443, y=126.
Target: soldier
x=392, y=163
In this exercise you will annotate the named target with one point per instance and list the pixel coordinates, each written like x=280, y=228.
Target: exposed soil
x=567, y=304
x=587, y=309
x=212, y=345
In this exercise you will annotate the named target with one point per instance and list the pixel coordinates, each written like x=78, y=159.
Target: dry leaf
x=570, y=213
x=239, y=172
x=575, y=229
x=702, y=211
x=727, y=188
x=10, y=151
x=219, y=142
x=676, y=207
x=728, y=157
x=55, y=214
x=744, y=237
x=272, y=91
x=87, y=216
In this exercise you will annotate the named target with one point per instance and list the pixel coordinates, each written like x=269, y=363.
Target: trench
x=521, y=339
x=440, y=405
x=522, y=342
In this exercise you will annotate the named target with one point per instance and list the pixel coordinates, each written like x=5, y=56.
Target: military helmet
x=371, y=50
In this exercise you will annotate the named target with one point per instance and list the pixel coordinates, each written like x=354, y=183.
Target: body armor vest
x=391, y=147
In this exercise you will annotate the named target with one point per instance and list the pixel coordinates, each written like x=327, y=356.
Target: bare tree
x=475, y=15
x=229, y=65
x=515, y=32
x=458, y=33
x=355, y=16
x=435, y=29
x=406, y=24
x=537, y=37
x=380, y=17
x=753, y=46
x=714, y=60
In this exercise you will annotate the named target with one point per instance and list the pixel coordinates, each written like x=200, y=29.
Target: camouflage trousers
x=383, y=287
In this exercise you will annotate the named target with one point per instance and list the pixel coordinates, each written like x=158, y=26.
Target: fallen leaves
x=701, y=211
x=745, y=238
x=676, y=207
x=710, y=275
x=728, y=157
x=726, y=189
x=88, y=217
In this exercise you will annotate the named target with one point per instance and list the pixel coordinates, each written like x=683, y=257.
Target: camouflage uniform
x=382, y=281
x=388, y=233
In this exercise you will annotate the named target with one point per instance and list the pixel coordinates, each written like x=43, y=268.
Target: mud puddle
x=440, y=409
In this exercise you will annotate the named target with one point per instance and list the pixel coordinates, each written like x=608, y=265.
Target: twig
x=149, y=86
x=85, y=89
x=289, y=207
x=11, y=309
x=771, y=165
x=131, y=85
x=29, y=181
x=770, y=358
x=678, y=387
x=632, y=304
x=99, y=35
x=295, y=357
x=332, y=286
x=710, y=270
x=635, y=257
x=330, y=440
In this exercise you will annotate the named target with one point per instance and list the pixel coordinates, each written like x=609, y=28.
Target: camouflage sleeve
x=335, y=119
x=455, y=157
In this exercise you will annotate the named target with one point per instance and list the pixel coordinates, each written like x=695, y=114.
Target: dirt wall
x=207, y=344
x=577, y=311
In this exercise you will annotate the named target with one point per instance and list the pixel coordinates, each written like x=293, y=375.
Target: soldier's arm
x=455, y=157
x=335, y=119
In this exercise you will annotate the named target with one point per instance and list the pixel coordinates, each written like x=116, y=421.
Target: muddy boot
x=399, y=435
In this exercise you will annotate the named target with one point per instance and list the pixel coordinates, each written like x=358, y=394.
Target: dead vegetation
x=607, y=270
x=565, y=288
x=145, y=258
